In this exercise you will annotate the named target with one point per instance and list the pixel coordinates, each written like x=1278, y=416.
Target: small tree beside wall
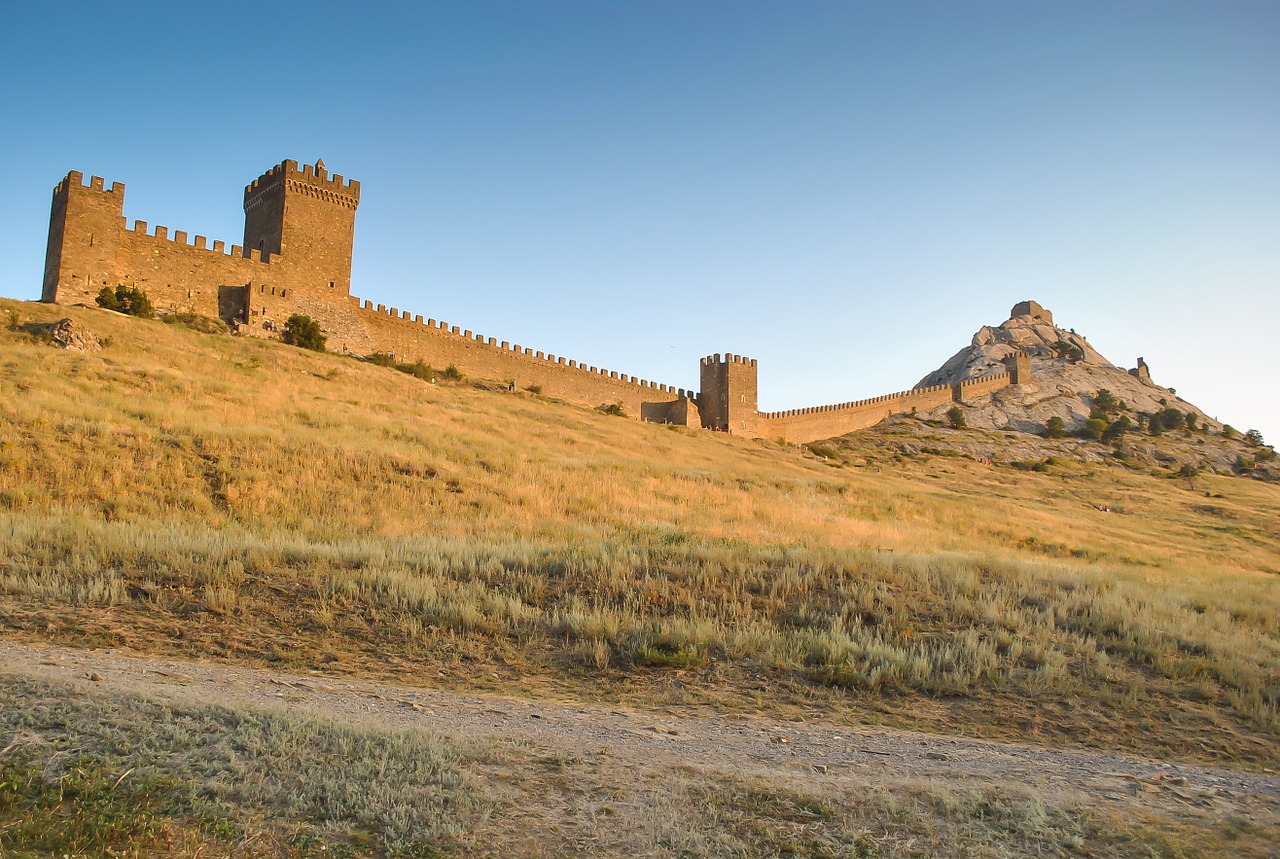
x=126, y=299
x=304, y=332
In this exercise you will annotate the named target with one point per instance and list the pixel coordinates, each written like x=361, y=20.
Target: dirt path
x=644, y=739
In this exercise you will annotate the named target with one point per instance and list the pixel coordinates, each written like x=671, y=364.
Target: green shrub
x=1253, y=437
x=1094, y=428
x=452, y=374
x=1105, y=401
x=534, y=389
x=382, y=359
x=955, y=415
x=1069, y=351
x=303, y=332
x=1170, y=418
x=1055, y=427
x=614, y=409
x=418, y=370
x=1190, y=419
x=1116, y=429
x=126, y=299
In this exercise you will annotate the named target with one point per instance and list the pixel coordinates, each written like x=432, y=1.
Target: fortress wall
x=800, y=426
x=981, y=386
x=805, y=425
x=411, y=338
x=90, y=247
x=179, y=273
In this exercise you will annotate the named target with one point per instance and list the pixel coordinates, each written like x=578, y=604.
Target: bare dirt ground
x=635, y=739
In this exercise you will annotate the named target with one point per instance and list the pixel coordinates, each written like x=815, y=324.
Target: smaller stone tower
x=1142, y=372
x=85, y=225
x=728, y=398
x=1019, y=366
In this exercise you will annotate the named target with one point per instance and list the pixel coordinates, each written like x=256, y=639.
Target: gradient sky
x=844, y=191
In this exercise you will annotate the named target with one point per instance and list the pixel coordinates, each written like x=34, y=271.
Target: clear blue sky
x=845, y=191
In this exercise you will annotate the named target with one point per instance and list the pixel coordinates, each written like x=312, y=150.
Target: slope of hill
x=200, y=496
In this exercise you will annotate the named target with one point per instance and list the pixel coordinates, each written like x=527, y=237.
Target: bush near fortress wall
x=126, y=299
x=304, y=332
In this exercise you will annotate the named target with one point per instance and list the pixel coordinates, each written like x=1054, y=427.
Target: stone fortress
x=299, y=229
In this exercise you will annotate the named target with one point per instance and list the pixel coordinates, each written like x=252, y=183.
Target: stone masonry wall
x=799, y=426
x=411, y=338
x=981, y=386
x=90, y=247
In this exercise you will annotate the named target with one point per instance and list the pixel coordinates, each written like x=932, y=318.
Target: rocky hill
x=1068, y=374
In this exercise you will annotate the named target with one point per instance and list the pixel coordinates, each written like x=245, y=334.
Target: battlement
x=181, y=238
x=75, y=179
x=411, y=328
x=857, y=404
x=982, y=380
x=729, y=358
x=311, y=179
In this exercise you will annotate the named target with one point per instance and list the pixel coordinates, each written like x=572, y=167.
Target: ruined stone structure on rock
x=1142, y=372
x=1032, y=309
x=296, y=258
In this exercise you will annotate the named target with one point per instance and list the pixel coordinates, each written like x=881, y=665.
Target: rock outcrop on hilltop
x=1067, y=373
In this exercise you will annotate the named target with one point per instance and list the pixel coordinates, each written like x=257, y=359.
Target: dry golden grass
x=92, y=773
x=200, y=494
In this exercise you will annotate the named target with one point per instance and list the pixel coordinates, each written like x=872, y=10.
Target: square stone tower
x=728, y=399
x=309, y=218
x=86, y=223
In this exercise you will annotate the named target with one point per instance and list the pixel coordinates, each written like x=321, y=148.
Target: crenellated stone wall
x=296, y=258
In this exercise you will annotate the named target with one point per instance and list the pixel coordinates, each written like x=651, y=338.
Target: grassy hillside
x=206, y=495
